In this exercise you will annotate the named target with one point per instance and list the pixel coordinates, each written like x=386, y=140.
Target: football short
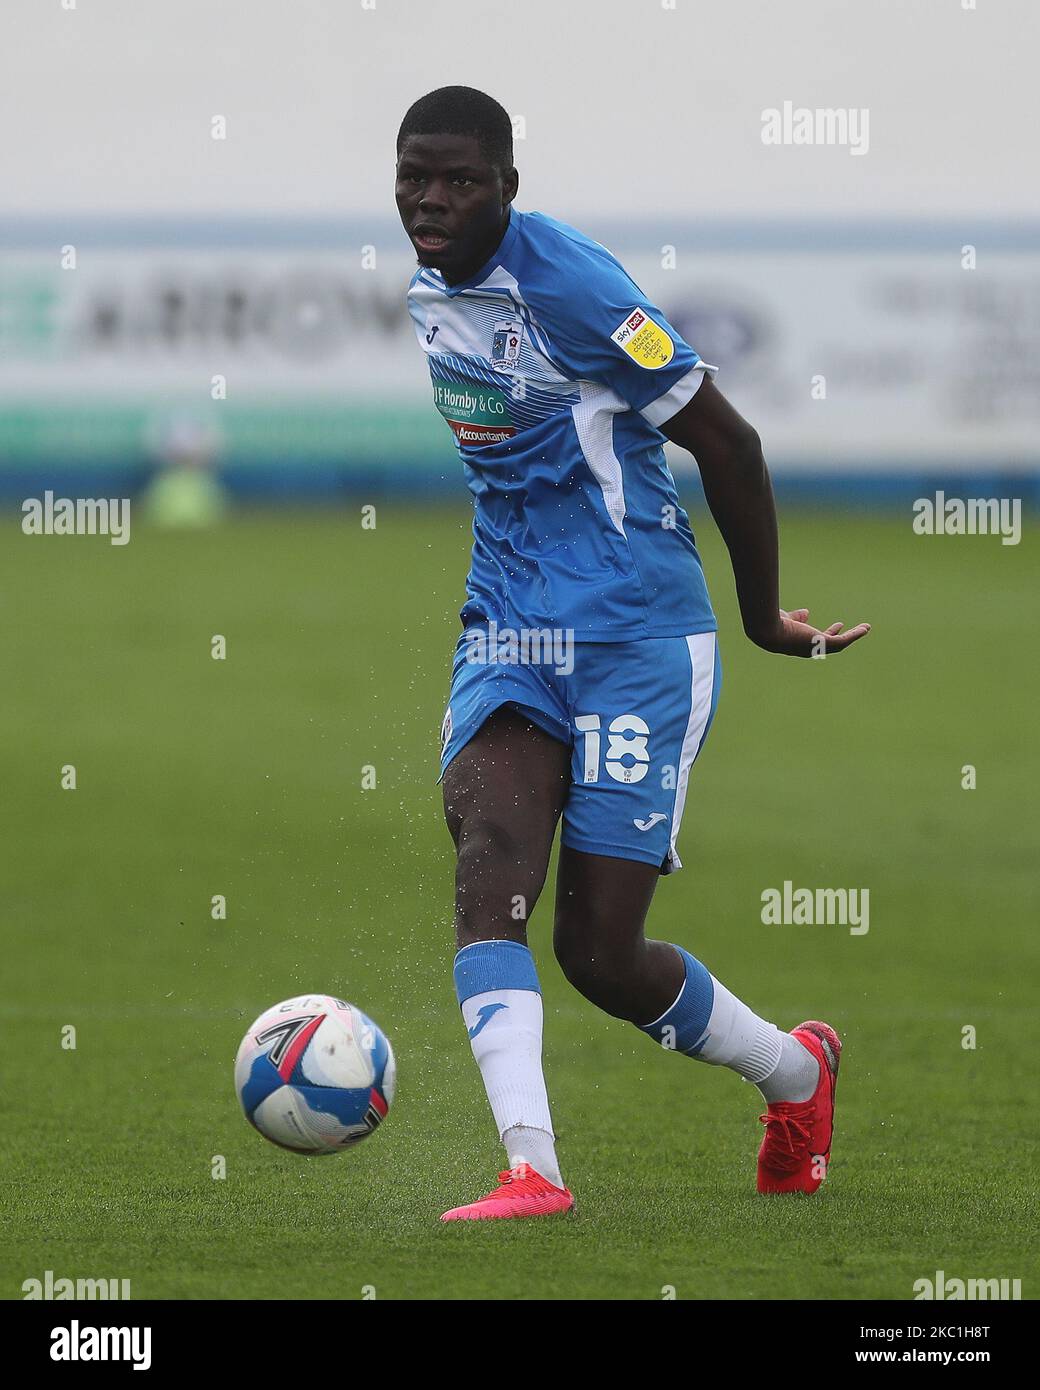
x=634, y=715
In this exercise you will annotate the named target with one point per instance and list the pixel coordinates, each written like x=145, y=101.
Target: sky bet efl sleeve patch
x=644, y=341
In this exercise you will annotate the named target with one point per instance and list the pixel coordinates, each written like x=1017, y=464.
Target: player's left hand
x=794, y=636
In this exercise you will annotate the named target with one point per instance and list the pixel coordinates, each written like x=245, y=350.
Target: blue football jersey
x=554, y=371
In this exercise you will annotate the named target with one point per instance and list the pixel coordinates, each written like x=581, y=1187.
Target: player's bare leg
x=503, y=796
x=601, y=907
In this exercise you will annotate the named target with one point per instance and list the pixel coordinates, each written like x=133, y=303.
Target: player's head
x=455, y=178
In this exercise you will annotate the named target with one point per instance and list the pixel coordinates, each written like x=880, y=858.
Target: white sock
x=796, y=1076
x=505, y=1029
x=775, y=1062
x=536, y=1147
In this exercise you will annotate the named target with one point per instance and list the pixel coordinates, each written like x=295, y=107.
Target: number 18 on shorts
x=634, y=714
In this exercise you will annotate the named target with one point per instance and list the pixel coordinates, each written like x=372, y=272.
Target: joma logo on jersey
x=506, y=343
x=644, y=341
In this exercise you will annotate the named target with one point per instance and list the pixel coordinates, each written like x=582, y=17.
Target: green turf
x=243, y=777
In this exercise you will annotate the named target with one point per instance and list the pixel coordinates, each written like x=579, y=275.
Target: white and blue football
x=315, y=1074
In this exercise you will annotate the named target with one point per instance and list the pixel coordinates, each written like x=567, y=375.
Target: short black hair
x=462, y=111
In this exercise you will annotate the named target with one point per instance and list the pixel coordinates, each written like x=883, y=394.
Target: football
x=315, y=1075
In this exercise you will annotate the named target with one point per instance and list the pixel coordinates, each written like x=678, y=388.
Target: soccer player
x=586, y=676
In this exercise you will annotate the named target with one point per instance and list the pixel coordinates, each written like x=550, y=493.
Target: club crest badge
x=506, y=344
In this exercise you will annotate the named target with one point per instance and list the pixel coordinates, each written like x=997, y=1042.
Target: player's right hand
x=794, y=636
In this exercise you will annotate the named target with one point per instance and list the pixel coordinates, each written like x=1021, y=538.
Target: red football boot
x=797, y=1145
x=520, y=1192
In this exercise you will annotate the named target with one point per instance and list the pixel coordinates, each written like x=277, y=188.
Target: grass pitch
x=243, y=777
